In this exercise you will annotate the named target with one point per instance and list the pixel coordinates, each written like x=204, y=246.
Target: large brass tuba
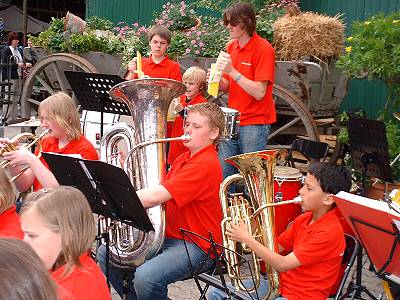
x=256, y=169
x=148, y=101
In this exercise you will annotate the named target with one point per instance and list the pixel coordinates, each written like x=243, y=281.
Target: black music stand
x=107, y=188
x=217, y=251
x=91, y=90
x=369, y=151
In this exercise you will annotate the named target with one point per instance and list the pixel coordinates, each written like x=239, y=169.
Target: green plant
x=52, y=38
x=96, y=23
x=176, y=16
x=373, y=51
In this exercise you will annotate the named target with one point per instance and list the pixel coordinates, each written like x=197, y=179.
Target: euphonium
x=12, y=146
x=256, y=170
x=148, y=101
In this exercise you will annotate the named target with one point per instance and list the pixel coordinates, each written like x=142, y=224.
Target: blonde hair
x=66, y=211
x=20, y=265
x=215, y=116
x=62, y=109
x=196, y=75
x=7, y=192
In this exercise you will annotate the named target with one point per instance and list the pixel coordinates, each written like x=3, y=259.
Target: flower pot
x=377, y=190
x=74, y=23
x=198, y=23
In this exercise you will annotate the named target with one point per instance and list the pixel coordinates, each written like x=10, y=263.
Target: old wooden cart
x=307, y=95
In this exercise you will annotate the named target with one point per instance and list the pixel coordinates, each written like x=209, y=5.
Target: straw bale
x=308, y=35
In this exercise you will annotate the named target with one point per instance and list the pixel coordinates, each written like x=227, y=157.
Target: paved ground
x=187, y=290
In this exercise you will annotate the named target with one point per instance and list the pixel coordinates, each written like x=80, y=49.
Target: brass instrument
x=12, y=146
x=256, y=169
x=148, y=100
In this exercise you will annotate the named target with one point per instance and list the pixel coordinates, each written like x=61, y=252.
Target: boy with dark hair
x=315, y=241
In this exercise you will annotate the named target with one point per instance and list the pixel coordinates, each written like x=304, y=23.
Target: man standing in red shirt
x=190, y=192
x=248, y=68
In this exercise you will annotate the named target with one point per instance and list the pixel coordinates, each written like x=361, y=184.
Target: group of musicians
x=57, y=223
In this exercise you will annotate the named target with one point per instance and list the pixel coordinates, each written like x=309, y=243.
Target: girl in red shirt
x=10, y=225
x=59, y=225
x=195, y=80
x=59, y=114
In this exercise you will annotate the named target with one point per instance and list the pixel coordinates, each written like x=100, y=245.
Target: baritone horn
x=15, y=141
x=256, y=169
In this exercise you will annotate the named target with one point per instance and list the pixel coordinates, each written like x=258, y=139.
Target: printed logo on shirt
x=246, y=64
x=341, y=254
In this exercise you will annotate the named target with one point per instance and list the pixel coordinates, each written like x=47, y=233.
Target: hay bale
x=308, y=34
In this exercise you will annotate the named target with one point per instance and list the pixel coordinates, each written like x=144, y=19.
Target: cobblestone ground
x=187, y=290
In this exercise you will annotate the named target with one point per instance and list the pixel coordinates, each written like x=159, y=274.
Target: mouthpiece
x=186, y=137
x=297, y=199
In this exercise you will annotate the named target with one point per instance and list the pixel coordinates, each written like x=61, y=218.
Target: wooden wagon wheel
x=293, y=120
x=48, y=73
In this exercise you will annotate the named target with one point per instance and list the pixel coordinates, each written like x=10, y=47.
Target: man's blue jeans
x=251, y=138
x=150, y=280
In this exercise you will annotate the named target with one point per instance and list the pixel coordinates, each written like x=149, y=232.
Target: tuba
x=256, y=169
x=148, y=101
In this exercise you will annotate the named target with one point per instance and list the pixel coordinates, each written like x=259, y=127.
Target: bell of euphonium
x=256, y=169
x=148, y=101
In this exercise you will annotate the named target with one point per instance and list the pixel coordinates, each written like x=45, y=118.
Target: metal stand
x=370, y=155
x=91, y=90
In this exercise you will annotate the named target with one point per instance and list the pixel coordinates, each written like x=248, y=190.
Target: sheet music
x=70, y=155
x=371, y=203
x=85, y=169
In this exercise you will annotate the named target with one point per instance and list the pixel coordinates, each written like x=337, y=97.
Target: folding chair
x=349, y=257
x=312, y=150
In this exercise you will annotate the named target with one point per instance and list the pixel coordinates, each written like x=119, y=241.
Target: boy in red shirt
x=195, y=80
x=190, y=192
x=315, y=241
x=158, y=65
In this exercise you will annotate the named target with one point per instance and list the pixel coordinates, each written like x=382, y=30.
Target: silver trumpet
x=148, y=101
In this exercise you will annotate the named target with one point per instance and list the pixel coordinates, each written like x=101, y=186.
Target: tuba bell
x=148, y=101
x=256, y=169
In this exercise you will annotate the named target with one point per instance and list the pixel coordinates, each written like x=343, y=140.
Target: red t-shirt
x=193, y=183
x=10, y=224
x=164, y=69
x=177, y=148
x=319, y=247
x=87, y=282
x=255, y=61
x=79, y=146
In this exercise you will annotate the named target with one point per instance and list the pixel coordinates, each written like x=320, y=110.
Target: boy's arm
x=278, y=262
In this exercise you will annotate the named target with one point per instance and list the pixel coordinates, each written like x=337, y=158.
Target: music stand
x=369, y=152
x=106, y=187
x=376, y=225
x=218, y=252
x=91, y=90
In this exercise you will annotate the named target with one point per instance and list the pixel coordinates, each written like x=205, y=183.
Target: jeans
x=150, y=280
x=251, y=138
x=262, y=291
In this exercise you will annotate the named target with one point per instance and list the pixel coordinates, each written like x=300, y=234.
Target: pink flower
x=187, y=50
x=197, y=52
x=193, y=42
x=136, y=24
x=201, y=44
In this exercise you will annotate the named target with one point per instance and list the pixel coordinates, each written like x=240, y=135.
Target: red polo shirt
x=10, y=224
x=319, y=247
x=79, y=146
x=177, y=148
x=87, y=282
x=164, y=69
x=255, y=61
x=194, y=183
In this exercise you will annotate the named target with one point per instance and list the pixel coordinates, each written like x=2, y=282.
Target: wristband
x=237, y=77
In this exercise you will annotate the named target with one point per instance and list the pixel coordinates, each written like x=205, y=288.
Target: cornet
x=12, y=146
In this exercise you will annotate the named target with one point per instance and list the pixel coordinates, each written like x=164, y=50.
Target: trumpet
x=12, y=146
